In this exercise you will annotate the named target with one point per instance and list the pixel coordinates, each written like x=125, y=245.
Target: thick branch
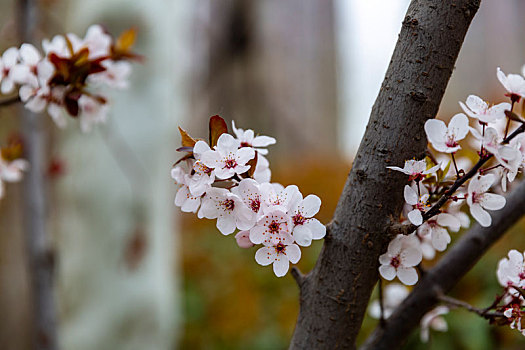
x=334, y=295
x=446, y=274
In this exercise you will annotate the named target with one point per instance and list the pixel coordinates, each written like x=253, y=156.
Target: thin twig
x=460, y=303
x=381, y=304
x=9, y=101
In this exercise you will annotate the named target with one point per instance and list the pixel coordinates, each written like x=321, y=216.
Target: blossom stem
x=455, y=165
x=482, y=171
x=9, y=101
x=482, y=136
x=462, y=304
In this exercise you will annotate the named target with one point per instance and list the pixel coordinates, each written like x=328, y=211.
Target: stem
x=9, y=101
x=508, y=119
x=462, y=304
x=482, y=136
x=455, y=165
x=39, y=253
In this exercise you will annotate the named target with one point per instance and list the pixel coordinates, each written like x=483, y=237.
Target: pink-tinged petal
x=480, y=215
x=433, y=169
x=459, y=126
x=224, y=173
x=10, y=57
x=7, y=86
x=227, y=143
x=415, y=217
x=281, y=265
x=449, y=220
x=200, y=148
x=476, y=104
x=410, y=195
x=57, y=114
x=36, y=104
x=311, y=205
x=29, y=54
x=226, y=224
x=237, y=132
x=22, y=75
x=485, y=182
x=263, y=141
x=243, y=239
x=440, y=239
x=492, y=201
x=244, y=154
x=498, y=111
x=396, y=168
x=387, y=272
x=181, y=196
x=302, y=235
x=293, y=252
x=411, y=256
x=407, y=275
x=248, y=136
x=384, y=259
x=191, y=205
x=240, y=169
x=26, y=92
x=212, y=159
x=436, y=131
x=257, y=234
x=503, y=79
x=395, y=245
x=317, y=229
x=265, y=256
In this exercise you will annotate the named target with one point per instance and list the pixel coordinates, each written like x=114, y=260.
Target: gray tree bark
x=335, y=294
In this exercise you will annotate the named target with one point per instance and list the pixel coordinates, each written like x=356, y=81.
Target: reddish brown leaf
x=217, y=128
x=252, y=163
x=186, y=139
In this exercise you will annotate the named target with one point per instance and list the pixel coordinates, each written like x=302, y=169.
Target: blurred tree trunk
x=270, y=66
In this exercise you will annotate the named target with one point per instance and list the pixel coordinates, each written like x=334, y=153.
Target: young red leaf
x=186, y=139
x=217, y=128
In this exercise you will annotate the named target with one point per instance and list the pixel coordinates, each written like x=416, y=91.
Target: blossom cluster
x=71, y=76
x=441, y=186
x=436, y=178
x=228, y=179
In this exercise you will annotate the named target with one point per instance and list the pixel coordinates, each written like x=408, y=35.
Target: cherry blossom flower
x=115, y=76
x=418, y=204
x=243, y=239
x=248, y=190
x=425, y=244
x=11, y=171
x=393, y=296
x=184, y=199
x=476, y=108
x=281, y=255
x=8, y=61
x=25, y=72
x=435, y=229
x=203, y=177
x=275, y=196
x=305, y=227
x=416, y=169
x=513, y=83
x=511, y=271
x=247, y=138
x=478, y=200
x=228, y=159
x=92, y=112
x=433, y=319
x=227, y=208
x=445, y=139
x=262, y=170
x=56, y=45
x=97, y=41
x=271, y=228
x=402, y=255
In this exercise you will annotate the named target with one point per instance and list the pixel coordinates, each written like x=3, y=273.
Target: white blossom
x=511, y=271
x=393, y=296
x=305, y=226
x=228, y=159
x=445, y=139
x=247, y=138
x=478, y=200
x=435, y=229
x=513, y=83
x=418, y=205
x=416, y=169
x=91, y=112
x=402, y=255
x=7, y=62
x=280, y=255
x=227, y=208
x=476, y=108
x=271, y=228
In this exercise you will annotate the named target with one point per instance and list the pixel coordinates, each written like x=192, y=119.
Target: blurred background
x=132, y=272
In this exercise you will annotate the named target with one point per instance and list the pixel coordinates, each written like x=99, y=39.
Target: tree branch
x=446, y=274
x=8, y=101
x=335, y=294
x=462, y=304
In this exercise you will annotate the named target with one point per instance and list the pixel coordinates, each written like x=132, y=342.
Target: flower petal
x=387, y=272
x=480, y=215
x=407, y=275
x=293, y=252
x=492, y=201
x=265, y=256
x=281, y=266
x=226, y=224
x=311, y=205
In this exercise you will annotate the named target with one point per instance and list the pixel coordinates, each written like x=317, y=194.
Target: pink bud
x=243, y=239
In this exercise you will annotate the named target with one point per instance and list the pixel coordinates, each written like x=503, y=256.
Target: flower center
x=230, y=163
x=274, y=227
x=298, y=219
x=245, y=144
x=255, y=205
x=395, y=262
x=451, y=142
x=228, y=204
x=280, y=248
